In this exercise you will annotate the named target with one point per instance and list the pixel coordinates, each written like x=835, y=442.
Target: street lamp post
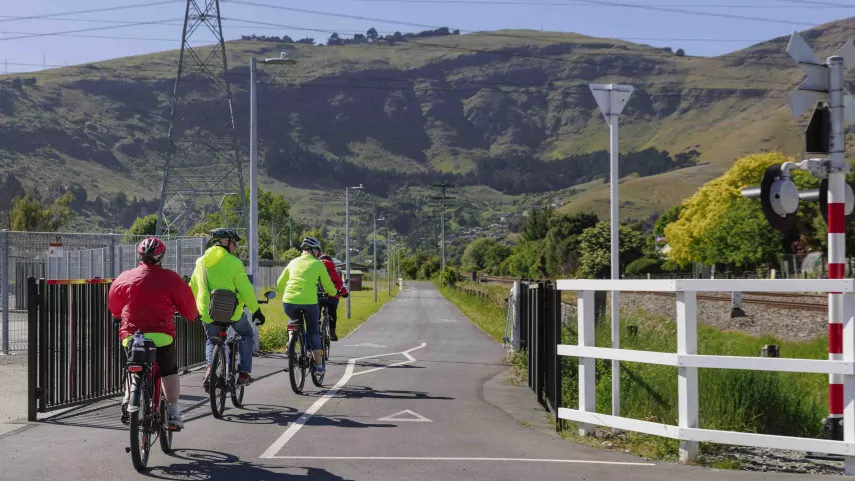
x=347, y=241
x=389, y=261
x=375, y=256
x=253, y=171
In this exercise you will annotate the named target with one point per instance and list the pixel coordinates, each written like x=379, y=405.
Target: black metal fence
x=74, y=353
x=540, y=334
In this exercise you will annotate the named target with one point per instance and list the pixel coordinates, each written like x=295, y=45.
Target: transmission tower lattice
x=202, y=166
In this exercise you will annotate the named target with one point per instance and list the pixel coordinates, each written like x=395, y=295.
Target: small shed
x=355, y=280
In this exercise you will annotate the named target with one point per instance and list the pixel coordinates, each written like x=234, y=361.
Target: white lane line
x=426, y=458
x=410, y=359
x=317, y=405
x=292, y=429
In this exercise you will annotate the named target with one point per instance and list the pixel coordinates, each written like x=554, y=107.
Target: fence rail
x=74, y=353
x=687, y=361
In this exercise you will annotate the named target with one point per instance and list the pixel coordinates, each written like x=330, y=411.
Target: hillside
x=507, y=114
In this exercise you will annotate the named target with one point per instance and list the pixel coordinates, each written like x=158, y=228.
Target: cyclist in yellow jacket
x=299, y=287
x=226, y=271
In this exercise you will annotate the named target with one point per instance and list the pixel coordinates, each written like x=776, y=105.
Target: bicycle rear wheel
x=325, y=335
x=141, y=432
x=165, y=433
x=218, y=382
x=297, y=364
x=236, y=391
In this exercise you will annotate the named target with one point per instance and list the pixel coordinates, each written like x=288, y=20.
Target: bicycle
x=300, y=357
x=326, y=340
x=147, y=405
x=223, y=375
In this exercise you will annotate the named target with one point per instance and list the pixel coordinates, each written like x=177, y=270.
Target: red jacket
x=147, y=297
x=334, y=276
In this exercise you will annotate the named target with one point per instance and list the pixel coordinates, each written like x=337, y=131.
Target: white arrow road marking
x=417, y=418
x=348, y=373
x=410, y=359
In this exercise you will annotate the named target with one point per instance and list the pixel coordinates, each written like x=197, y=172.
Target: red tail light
x=135, y=368
x=292, y=327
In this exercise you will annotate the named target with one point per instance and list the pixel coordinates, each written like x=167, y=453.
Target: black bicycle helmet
x=310, y=243
x=223, y=233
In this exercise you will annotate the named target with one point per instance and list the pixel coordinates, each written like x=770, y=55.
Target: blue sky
x=699, y=34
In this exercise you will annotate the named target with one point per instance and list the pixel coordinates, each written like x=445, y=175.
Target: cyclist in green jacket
x=299, y=287
x=226, y=271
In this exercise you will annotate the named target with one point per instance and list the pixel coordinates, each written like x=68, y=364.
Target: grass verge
x=484, y=312
x=273, y=335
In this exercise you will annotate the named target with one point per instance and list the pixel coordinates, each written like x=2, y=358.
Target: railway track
x=782, y=304
x=805, y=306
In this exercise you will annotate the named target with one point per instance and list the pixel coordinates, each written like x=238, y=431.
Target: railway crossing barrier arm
x=688, y=361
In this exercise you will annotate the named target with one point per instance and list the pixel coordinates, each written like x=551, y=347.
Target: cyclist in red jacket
x=145, y=298
x=332, y=302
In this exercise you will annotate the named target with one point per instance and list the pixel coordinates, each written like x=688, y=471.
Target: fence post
x=33, y=302
x=687, y=382
x=111, y=272
x=4, y=288
x=587, y=373
x=178, y=256
x=91, y=264
x=515, y=330
x=849, y=380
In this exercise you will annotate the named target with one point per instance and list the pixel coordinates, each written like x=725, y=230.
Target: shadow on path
x=203, y=465
x=362, y=392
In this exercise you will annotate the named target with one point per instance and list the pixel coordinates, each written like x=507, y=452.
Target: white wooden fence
x=687, y=360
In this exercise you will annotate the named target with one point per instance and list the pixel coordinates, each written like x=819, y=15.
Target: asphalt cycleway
x=403, y=399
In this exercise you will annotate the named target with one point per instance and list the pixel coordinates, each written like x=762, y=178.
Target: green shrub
x=450, y=277
x=644, y=266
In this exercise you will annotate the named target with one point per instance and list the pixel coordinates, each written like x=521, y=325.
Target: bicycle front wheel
x=326, y=336
x=141, y=426
x=297, y=364
x=237, y=391
x=218, y=382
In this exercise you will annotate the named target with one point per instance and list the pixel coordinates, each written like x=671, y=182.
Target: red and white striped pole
x=836, y=241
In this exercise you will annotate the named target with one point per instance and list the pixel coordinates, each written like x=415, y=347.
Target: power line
x=82, y=30
x=580, y=3
x=704, y=14
x=593, y=2
x=7, y=18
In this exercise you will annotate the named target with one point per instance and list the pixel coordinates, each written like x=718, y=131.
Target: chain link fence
x=63, y=255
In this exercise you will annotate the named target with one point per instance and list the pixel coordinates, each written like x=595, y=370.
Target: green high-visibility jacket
x=225, y=271
x=299, y=281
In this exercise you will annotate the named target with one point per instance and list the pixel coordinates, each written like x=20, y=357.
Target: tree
x=664, y=220
x=595, y=246
x=143, y=226
x=537, y=224
x=31, y=214
x=688, y=236
x=272, y=209
x=560, y=250
x=474, y=257
x=334, y=39
x=372, y=34
x=680, y=52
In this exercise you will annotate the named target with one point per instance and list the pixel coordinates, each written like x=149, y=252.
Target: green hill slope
x=509, y=110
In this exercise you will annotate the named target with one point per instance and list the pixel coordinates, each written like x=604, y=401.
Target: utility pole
x=389, y=260
x=375, y=255
x=347, y=241
x=611, y=99
x=442, y=198
x=291, y=231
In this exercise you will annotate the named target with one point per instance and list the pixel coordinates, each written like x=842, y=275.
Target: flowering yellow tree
x=717, y=203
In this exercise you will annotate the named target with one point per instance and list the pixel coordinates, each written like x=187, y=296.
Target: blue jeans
x=313, y=313
x=242, y=327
